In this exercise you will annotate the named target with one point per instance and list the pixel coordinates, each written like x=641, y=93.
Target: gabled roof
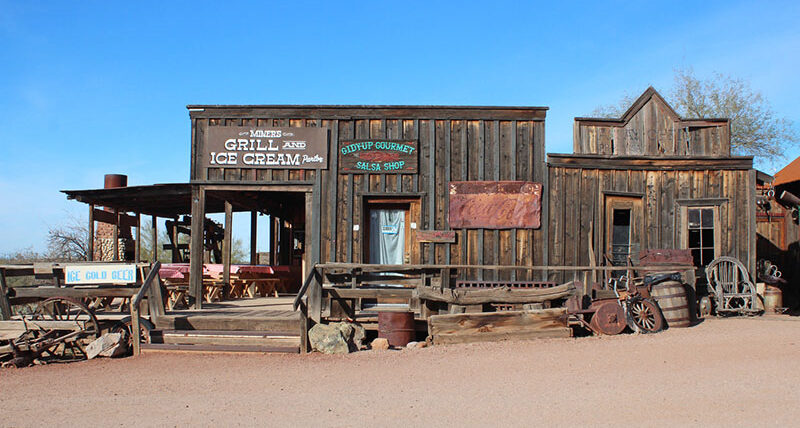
x=637, y=105
x=640, y=102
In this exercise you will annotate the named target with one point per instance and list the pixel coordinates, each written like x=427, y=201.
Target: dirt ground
x=739, y=371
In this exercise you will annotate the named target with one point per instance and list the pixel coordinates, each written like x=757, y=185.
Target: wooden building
x=651, y=180
x=337, y=170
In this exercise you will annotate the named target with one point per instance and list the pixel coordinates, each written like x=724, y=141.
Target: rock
x=421, y=345
x=359, y=334
x=380, y=343
x=328, y=339
x=107, y=345
x=411, y=345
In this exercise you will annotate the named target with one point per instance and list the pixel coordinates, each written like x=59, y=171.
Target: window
x=701, y=234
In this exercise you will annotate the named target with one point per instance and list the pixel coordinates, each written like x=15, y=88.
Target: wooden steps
x=223, y=341
x=202, y=321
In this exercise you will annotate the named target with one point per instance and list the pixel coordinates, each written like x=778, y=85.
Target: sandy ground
x=741, y=371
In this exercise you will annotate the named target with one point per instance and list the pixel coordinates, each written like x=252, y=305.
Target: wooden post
x=116, y=235
x=253, y=237
x=135, y=329
x=138, y=249
x=226, y=248
x=154, y=236
x=273, y=240
x=90, y=244
x=5, y=306
x=176, y=255
x=196, y=254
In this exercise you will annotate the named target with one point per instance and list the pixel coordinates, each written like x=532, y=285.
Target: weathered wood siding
x=651, y=128
x=577, y=195
x=454, y=144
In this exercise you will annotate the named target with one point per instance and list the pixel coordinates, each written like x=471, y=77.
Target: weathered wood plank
x=493, y=326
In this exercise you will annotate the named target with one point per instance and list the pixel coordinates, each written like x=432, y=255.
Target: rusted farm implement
x=626, y=302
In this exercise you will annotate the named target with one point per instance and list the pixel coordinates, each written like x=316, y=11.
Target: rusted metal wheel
x=645, y=316
x=62, y=316
x=608, y=318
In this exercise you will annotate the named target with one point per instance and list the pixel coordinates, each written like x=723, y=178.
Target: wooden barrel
x=671, y=297
x=773, y=298
x=396, y=327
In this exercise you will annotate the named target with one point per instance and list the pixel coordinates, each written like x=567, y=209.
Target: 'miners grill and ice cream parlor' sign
x=378, y=156
x=265, y=147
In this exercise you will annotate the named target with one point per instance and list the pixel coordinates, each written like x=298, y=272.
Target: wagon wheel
x=645, y=316
x=124, y=327
x=74, y=317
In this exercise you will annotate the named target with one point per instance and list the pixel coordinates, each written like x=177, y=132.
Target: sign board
x=265, y=147
x=378, y=156
x=106, y=273
x=495, y=205
x=442, y=236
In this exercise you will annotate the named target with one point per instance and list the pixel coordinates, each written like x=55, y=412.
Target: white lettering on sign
x=312, y=159
x=100, y=274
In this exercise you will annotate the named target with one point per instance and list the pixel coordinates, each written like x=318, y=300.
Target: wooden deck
x=254, y=314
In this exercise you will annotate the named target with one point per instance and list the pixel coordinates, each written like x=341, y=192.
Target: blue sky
x=89, y=88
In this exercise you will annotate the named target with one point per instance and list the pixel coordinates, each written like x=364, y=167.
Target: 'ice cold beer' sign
x=378, y=156
x=113, y=273
x=262, y=147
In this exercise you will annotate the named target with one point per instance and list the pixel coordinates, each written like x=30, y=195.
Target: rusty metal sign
x=378, y=156
x=442, y=236
x=265, y=147
x=495, y=205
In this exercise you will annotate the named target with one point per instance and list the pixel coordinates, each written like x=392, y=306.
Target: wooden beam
x=125, y=220
x=90, y=244
x=5, y=306
x=138, y=249
x=368, y=293
x=494, y=326
x=45, y=292
x=196, y=257
x=154, y=237
x=226, y=246
x=115, y=246
x=494, y=295
x=253, y=237
x=650, y=163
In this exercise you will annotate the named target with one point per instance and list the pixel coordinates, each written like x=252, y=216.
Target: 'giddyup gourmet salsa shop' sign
x=378, y=156
x=262, y=147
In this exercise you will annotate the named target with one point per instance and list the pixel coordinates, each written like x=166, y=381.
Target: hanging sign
x=265, y=147
x=106, y=273
x=378, y=156
x=495, y=205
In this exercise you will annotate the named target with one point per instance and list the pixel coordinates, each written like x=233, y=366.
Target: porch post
x=90, y=244
x=253, y=237
x=196, y=252
x=226, y=248
x=154, y=236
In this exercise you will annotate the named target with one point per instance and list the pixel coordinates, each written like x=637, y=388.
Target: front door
x=623, y=229
x=387, y=236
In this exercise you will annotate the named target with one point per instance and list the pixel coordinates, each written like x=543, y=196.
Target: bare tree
x=68, y=241
x=755, y=128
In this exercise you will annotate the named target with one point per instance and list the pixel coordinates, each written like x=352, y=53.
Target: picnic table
x=245, y=281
